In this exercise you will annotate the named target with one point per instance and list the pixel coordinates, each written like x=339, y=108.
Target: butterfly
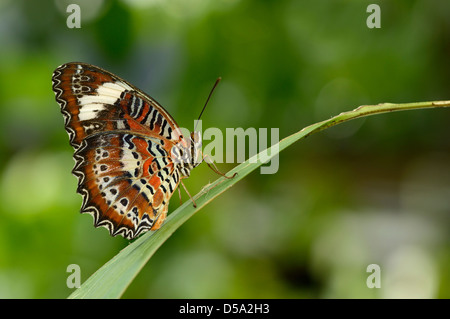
x=129, y=153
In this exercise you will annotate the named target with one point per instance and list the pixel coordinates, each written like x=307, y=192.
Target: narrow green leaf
x=112, y=279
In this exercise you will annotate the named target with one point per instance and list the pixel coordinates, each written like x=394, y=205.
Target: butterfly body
x=130, y=155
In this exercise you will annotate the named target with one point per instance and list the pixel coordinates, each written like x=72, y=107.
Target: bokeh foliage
x=369, y=191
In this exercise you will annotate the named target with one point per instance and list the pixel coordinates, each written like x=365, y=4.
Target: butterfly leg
x=179, y=193
x=214, y=168
x=192, y=199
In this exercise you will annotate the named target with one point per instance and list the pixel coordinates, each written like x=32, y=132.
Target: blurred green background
x=371, y=191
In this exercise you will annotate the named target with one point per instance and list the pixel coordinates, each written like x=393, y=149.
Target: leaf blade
x=113, y=278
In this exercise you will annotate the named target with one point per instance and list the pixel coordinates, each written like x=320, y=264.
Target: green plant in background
x=111, y=280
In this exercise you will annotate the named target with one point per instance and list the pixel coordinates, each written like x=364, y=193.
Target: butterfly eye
x=195, y=137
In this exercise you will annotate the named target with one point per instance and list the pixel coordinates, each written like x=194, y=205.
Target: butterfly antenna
x=207, y=100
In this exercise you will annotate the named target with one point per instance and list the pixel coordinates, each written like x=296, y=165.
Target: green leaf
x=113, y=278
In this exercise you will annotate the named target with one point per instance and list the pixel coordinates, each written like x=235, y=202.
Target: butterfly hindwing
x=123, y=183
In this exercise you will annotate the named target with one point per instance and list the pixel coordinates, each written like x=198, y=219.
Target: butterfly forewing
x=122, y=140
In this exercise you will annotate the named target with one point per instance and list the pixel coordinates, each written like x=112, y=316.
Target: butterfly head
x=187, y=153
x=196, y=148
